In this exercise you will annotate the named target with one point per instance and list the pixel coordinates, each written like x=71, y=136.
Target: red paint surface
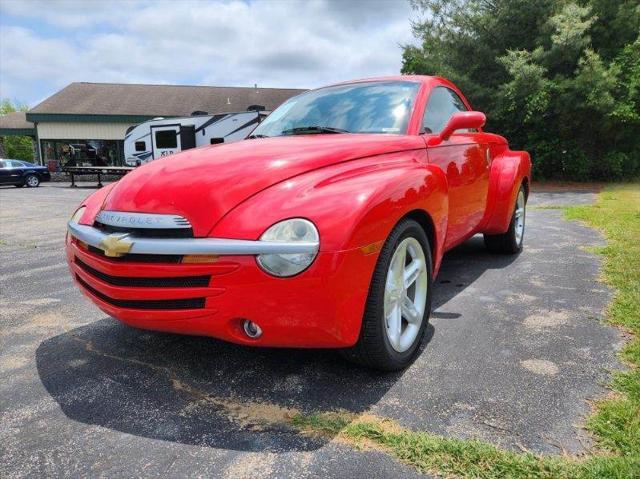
x=353, y=187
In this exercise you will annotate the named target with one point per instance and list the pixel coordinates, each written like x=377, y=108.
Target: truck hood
x=204, y=184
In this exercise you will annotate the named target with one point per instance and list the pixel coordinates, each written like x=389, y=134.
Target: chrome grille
x=144, y=224
x=146, y=232
x=126, y=219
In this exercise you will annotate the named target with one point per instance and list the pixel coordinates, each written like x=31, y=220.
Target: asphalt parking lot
x=515, y=350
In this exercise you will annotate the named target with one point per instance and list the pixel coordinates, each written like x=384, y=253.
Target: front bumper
x=321, y=307
x=188, y=246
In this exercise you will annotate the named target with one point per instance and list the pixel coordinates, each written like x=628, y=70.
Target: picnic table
x=96, y=170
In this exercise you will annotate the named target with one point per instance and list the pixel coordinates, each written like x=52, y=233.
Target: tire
x=32, y=181
x=374, y=348
x=511, y=242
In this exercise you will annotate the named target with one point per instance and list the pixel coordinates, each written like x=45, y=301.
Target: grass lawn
x=616, y=421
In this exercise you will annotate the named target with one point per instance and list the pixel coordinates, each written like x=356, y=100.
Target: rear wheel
x=399, y=301
x=511, y=241
x=32, y=181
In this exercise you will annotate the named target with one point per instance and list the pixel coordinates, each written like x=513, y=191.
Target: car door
x=165, y=140
x=14, y=170
x=26, y=168
x=463, y=158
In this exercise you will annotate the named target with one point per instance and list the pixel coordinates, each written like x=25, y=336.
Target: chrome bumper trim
x=183, y=246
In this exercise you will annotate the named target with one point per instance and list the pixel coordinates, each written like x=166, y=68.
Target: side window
x=442, y=103
x=141, y=146
x=166, y=139
x=3, y=164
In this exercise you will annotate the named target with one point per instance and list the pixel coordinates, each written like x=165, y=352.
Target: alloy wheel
x=405, y=294
x=519, y=217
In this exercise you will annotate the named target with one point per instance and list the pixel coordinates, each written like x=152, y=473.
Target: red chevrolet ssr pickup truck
x=323, y=229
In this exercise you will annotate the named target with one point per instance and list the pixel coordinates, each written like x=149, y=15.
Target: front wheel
x=399, y=301
x=32, y=181
x=511, y=241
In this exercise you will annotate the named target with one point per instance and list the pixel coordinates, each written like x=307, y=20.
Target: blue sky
x=47, y=44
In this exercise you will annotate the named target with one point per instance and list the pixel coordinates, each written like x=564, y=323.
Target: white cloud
x=281, y=43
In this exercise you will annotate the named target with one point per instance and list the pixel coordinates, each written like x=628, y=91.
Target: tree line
x=558, y=78
x=16, y=147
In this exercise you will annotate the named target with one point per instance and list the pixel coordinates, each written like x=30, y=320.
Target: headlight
x=78, y=214
x=290, y=231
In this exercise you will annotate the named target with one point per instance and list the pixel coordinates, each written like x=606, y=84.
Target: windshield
x=371, y=107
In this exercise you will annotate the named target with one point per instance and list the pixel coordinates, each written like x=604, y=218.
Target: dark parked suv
x=20, y=173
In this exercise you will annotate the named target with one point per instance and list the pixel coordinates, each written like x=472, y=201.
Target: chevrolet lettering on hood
x=141, y=220
x=324, y=228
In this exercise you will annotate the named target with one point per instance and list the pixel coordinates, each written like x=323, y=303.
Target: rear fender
x=509, y=169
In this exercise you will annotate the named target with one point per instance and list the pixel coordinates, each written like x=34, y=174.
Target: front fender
x=422, y=192
x=509, y=169
x=354, y=205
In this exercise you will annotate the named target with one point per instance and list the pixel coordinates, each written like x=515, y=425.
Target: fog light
x=251, y=329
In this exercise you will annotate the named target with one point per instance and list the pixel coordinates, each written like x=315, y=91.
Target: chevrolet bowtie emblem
x=115, y=245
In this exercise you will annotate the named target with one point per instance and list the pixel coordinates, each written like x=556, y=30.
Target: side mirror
x=460, y=121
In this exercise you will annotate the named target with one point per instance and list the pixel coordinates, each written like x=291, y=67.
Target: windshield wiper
x=251, y=137
x=301, y=130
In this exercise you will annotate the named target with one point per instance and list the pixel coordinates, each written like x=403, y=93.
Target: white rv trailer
x=161, y=137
